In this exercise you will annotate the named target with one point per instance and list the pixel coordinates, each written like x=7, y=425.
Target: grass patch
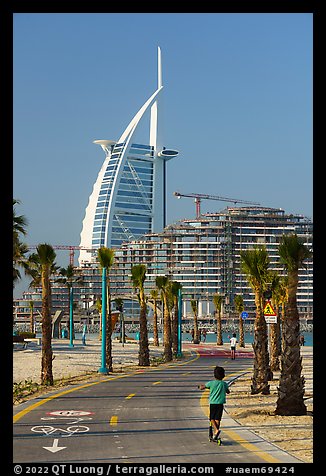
x=24, y=389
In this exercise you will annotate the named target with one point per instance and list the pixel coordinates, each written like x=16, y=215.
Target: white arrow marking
x=54, y=448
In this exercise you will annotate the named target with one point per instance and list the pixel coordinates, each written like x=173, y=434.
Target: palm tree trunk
x=219, y=337
x=143, y=355
x=291, y=385
x=241, y=332
x=196, y=331
x=274, y=347
x=167, y=331
x=46, y=369
x=155, y=330
x=32, y=318
x=175, y=328
x=282, y=327
x=274, y=335
x=260, y=346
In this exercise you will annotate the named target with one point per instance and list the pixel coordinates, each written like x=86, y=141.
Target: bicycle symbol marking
x=70, y=419
x=48, y=430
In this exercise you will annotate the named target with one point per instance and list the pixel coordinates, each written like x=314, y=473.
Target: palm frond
x=106, y=257
x=293, y=251
x=138, y=275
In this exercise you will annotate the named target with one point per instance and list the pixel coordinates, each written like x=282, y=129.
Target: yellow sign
x=268, y=309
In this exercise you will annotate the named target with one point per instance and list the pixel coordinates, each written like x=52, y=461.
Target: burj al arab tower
x=128, y=197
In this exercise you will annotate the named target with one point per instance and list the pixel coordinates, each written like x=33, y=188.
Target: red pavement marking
x=213, y=351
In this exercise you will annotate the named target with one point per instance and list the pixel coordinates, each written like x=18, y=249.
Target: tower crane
x=71, y=249
x=200, y=196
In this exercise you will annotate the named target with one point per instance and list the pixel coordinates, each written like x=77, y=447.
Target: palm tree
x=68, y=279
x=275, y=329
x=119, y=307
x=194, y=308
x=106, y=260
x=19, y=259
x=255, y=264
x=19, y=222
x=33, y=270
x=293, y=252
x=154, y=295
x=283, y=298
x=19, y=249
x=163, y=283
x=138, y=276
x=239, y=307
x=98, y=305
x=217, y=301
x=175, y=288
x=46, y=256
x=31, y=307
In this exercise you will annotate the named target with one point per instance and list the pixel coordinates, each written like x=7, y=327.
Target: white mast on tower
x=154, y=138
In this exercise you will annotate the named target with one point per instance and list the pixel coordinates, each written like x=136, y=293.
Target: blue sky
x=237, y=104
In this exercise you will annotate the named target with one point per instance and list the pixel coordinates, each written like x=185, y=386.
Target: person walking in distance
x=204, y=333
x=217, y=397
x=84, y=334
x=233, y=344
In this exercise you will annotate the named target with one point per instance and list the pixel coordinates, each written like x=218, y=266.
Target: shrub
x=26, y=335
x=23, y=389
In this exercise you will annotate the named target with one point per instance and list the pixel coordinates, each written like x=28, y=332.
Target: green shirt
x=217, y=392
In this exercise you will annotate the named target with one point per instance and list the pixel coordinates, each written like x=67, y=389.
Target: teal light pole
x=179, y=347
x=103, y=369
x=71, y=320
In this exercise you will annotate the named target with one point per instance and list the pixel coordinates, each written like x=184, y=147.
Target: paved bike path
x=147, y=416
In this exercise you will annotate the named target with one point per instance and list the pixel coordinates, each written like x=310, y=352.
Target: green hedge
x=27, y=335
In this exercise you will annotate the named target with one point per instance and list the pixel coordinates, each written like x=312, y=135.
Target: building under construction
x=203, y=254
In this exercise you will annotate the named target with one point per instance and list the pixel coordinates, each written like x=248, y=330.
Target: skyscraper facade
x=128, y=197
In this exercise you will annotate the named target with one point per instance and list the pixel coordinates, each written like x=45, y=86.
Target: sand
x=255, y=412
x=293, y=434
x=77, y=361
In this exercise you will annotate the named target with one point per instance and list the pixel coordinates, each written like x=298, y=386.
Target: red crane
x=71, y=249
x=200, y=196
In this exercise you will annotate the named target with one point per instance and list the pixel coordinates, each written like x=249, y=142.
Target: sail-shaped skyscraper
x=128, y=197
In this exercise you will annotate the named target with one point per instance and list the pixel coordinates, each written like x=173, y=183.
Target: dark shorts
x=232, y=348
x=215, y=411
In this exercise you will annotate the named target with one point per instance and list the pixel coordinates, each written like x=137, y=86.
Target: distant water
x=249, y=337
x=210, y=338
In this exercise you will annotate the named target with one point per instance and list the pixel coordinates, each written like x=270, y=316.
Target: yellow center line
x=114, y=420
x=204, y=403
x=20, y=414
x=130, y=396
x=24, y=412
